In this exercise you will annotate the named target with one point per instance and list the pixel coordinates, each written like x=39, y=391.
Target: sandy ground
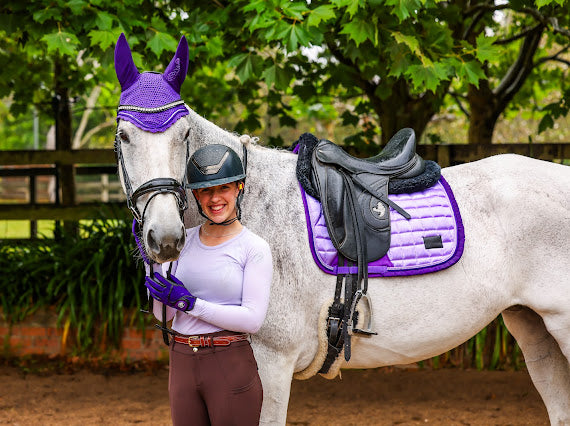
x=362, y=397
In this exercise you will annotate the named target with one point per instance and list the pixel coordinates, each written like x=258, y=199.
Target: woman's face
x=218, y=202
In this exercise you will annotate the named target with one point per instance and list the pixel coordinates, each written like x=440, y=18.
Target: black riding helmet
x=214, y=165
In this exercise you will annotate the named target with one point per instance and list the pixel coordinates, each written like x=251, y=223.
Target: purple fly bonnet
x=151, y=101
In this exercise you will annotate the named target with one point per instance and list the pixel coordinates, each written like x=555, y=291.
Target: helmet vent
x=213, y=168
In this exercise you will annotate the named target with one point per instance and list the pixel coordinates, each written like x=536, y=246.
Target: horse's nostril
x=181, y=241
x=151, y=242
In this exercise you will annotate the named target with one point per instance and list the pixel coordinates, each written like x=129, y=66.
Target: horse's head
x=152, y=149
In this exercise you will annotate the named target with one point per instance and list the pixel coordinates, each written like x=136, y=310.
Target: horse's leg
x=548, y=367
x=276, y=373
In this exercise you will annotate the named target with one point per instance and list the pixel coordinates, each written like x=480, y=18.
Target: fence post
x=33, y=223
x=63, y=140
x=443, y=155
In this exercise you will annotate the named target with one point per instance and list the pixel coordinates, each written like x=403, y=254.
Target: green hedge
x=90, y=275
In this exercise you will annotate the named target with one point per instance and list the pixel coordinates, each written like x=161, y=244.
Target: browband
x=149, y=110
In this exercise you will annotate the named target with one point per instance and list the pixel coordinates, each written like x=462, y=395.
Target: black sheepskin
x=307, y=143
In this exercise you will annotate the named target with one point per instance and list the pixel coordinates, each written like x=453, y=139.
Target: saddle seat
x=398, y=159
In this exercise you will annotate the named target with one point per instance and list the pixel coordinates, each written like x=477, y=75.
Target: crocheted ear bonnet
x=151, y=101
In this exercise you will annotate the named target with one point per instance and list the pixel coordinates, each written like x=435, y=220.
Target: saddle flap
x=351, y=212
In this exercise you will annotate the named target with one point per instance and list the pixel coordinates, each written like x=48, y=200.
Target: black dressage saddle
x=354, y=193
x=354, y=199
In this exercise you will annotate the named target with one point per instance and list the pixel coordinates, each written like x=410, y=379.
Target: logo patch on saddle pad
x=430, y=241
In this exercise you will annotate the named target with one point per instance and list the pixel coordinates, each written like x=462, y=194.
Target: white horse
x=516, y=214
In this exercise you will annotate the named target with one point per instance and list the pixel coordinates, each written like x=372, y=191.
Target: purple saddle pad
x=430, y=241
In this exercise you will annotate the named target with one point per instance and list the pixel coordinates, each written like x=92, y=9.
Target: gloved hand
x=170, y=291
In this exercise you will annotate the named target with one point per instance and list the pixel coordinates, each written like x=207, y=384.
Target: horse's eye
x=123, y=137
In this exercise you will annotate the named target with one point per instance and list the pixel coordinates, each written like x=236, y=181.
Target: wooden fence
x=41, y=163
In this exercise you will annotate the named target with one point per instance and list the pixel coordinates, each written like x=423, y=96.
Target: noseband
x=156, y=186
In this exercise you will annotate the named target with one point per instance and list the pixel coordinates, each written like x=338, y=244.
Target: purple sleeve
x=247, y=318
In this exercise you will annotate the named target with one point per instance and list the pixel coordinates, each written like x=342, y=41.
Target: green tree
x=398, y=60
x=389, y=63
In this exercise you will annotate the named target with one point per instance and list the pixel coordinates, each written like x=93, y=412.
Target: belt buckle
x=194, y=337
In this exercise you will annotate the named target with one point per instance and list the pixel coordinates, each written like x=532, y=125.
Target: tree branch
x=519, y=70
x=96, y=129
x=484, y=8
x=479, y=11
x=546, y=20
x=518, y=36
x=456, y=97
x=554, y=57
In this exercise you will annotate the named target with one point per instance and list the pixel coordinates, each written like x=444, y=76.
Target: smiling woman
x=222, y=285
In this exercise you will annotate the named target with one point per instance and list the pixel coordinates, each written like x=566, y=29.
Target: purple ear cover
x=151, y=101
x=126, y=70
x=175, y=72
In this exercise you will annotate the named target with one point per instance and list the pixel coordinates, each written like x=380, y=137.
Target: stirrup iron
x=363, y=296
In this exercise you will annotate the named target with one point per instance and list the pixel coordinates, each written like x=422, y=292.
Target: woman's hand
x=170, y=291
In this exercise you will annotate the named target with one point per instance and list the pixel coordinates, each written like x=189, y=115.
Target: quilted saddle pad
x=430, y=241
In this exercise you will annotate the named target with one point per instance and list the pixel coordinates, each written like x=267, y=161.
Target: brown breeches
x=214, y=386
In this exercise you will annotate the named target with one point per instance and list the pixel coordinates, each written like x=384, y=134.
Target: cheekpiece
x=151, y=101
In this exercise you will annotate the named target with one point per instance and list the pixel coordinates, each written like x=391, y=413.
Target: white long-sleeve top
x=231, y=282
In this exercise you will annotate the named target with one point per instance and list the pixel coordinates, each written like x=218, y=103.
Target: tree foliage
x=386, y=64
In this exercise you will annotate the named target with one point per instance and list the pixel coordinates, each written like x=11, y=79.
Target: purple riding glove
x=170, y=291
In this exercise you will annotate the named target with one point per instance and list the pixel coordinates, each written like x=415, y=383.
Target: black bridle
x=154, y=186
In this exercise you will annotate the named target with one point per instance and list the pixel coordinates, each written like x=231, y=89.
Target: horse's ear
x=125, y=67
x=175, y=72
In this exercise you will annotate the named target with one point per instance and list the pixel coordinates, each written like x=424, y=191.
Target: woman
x=224, y=274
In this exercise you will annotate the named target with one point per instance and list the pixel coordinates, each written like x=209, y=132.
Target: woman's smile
x=218, y=202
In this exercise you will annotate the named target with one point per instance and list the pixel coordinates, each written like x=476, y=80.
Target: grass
x=21, y=228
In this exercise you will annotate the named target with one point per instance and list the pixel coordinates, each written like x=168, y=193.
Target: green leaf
x=237, y=59
x=410, y=41
x=294, y=10
x=403, y=9
x=268, y=75
x=104, y=39
x=320, y=14
x=349, y=118
x=359, y=31
x=276, y=75
x=486, y=51
x=472, y=72
x=353, y=8
x=49, y=13
x=104, y=21
x=162, y=41
x=244, y=70
x=61, y=42
x=214, y=46
x=77, y=6
x=427, y=77
x=546, y=123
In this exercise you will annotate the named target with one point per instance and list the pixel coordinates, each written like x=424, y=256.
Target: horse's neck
x=207, y=133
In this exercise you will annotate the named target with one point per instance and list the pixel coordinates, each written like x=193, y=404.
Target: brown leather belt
x=209, y=341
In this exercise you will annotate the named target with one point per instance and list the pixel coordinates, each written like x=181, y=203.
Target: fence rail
x=102, y=161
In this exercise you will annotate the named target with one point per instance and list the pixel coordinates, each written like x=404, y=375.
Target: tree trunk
x=484, y=115
x=401, y=110
x=63, y=139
